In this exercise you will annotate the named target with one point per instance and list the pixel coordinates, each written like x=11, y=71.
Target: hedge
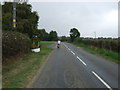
x=14, y=43
x=105, y=43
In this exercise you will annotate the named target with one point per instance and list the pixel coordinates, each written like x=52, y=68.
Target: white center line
x=102, y=80
x=81, y=61
x=68, y=49
x=72, y=52
x=65, y=46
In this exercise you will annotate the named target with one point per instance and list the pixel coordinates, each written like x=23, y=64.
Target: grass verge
x=113, y=56
x=18, y=74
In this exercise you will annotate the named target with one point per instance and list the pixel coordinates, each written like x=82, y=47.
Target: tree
x=74, y=33
x=42, y=34
x=7, y=16
x=26, y=19
x=63, y=38
x=53, y=36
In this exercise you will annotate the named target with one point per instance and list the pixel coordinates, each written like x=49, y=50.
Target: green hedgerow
x=14, y=43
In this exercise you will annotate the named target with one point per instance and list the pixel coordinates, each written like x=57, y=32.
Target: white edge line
x=102, y=80
x=82, y=61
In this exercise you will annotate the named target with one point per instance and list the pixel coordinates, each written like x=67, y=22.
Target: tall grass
x=108, y=54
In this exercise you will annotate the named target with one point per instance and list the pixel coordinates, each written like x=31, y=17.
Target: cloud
x=88, y=17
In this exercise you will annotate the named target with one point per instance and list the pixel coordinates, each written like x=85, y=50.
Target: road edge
x=39, y=71
x=98, y=55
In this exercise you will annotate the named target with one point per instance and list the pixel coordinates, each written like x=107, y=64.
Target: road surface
x=72, y=67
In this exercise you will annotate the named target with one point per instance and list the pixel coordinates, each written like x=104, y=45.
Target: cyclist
x=58, y=43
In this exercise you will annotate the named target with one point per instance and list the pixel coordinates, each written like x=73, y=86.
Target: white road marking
x=77, y=56
x=81, y=61
x=102, y=80
x=72, y=52
x=68, y=49
x=65, y=45
x=92, y=71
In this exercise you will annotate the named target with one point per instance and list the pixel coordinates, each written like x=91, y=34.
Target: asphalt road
x=71, y=67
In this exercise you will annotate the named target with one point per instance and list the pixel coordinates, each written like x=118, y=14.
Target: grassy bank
x=113, y=56
x=20, y=72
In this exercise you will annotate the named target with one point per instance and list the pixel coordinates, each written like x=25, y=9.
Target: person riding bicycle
x=58, y=43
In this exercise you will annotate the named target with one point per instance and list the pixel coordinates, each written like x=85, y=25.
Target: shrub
x=103, y=43
x=14, y=43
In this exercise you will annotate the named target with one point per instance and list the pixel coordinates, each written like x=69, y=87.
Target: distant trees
x=64, y=38
x=26, y=19
x=103, y=43
x=74, y=33
x=44, y=36
x=53, y=36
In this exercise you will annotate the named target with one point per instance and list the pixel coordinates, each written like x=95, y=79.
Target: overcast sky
x=87, y=17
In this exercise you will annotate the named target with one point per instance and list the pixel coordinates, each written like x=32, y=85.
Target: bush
x=14, y=43
x=103, y=43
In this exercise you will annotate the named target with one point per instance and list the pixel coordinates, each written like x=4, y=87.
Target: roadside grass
x=45, y=43
x=110, y=55
x=19, y=73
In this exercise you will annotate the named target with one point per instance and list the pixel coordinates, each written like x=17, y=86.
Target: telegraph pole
x=14, y=14
x=14, y=11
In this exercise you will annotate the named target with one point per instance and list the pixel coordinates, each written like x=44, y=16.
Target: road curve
x=72, y=67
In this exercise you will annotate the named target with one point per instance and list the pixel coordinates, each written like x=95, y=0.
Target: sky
x=88, y=17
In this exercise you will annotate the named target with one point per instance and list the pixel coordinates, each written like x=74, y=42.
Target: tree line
x=112, y=44
x=45, y=36
x=27, y=21
x=19, y=40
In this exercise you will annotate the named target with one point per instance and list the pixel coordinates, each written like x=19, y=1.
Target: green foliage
x=103, y=43
x=64, y=38
x=42, y=34
x=108, y=54
x=14, y=43
x=19, y=74
x=74, y=33
x=53, y=36
x=26, y=19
